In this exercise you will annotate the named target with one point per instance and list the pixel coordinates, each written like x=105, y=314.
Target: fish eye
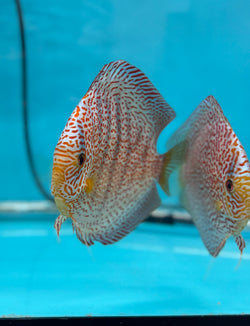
x=229, y=185
x=81, y=159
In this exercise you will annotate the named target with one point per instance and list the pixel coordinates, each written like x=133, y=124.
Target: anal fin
x=82, y=235
x=214, y=238
x=130, y=218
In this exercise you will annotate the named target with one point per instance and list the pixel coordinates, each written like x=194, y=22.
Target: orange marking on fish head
x=76, y=112
x=58, y=176
x=240, y=197
x=85, y=96
x=69, y=164
x=89, y=184
x=237, y=187
x=218, y=205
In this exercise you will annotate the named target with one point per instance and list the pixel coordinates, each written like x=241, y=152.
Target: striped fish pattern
x=105, y=164
x=213, y=175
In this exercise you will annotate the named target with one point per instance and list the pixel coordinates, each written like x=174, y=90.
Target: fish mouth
x=62, y=206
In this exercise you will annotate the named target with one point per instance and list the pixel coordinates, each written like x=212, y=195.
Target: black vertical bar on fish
x=25, y=105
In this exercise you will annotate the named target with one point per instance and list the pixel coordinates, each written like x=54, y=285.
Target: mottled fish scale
x=119, y=120
x=208, y=154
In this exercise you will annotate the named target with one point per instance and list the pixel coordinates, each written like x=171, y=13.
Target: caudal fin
x=173, y=159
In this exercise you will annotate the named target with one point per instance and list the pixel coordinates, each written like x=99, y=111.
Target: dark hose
x=25, y=106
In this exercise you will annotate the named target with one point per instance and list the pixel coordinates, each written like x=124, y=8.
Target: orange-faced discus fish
x=105, y=163
x=213, y=174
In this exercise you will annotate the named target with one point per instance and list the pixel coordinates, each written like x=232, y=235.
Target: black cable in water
x=25, y=106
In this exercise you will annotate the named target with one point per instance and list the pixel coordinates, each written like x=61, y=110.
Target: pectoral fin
x=240, y=242
x=58, y=223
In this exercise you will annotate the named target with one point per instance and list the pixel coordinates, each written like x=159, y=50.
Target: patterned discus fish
x=105, y=164
x=214, y=175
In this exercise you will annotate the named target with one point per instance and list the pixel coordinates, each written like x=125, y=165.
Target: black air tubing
x=25, y=106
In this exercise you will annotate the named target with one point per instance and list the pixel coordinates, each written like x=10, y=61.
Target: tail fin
x=172, y=160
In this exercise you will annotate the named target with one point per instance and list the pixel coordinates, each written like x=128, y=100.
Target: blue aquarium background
x=189, y=49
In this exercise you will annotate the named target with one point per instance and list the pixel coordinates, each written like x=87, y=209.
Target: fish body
x=213, y=175
x=105, y=164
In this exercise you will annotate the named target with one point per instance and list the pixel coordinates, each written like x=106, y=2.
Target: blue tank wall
x=188, y=48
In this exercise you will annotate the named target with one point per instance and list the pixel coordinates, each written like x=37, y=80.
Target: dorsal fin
x=131, y=88
x=206, y=112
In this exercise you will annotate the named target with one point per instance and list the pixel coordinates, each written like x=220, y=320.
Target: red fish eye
x=81, y=159
x=229, y=185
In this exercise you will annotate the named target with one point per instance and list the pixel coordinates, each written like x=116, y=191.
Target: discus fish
x=213, y=175
x=105, y=164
